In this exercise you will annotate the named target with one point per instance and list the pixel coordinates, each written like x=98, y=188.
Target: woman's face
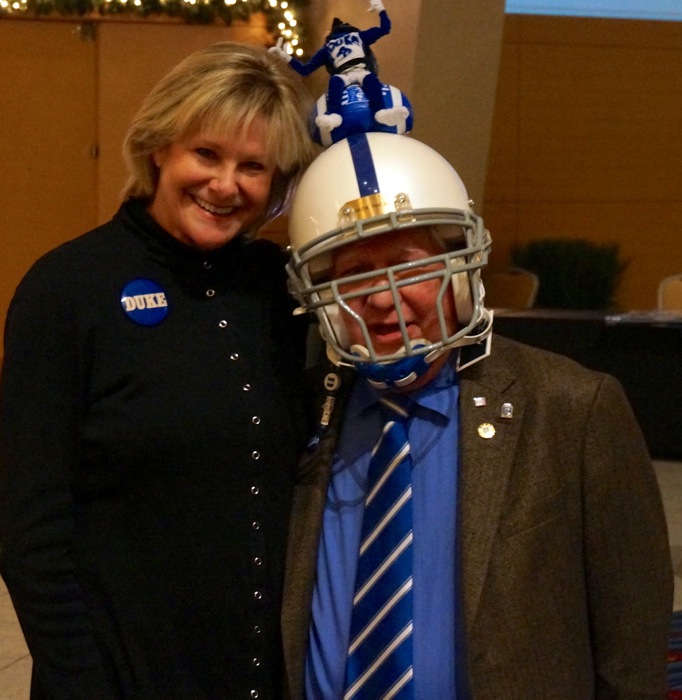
x=212, y=187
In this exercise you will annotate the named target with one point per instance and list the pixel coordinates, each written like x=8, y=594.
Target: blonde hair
x=224, y=87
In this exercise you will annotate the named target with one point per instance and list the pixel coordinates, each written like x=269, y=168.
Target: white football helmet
x=373, y=184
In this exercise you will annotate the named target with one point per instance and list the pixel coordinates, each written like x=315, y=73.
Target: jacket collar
x=488, y=443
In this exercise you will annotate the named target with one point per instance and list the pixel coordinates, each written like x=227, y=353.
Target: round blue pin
x=144, y=302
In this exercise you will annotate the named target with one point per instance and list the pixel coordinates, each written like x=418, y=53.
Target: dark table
x=642, y=350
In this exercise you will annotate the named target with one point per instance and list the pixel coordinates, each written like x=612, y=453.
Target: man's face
x=418, y=302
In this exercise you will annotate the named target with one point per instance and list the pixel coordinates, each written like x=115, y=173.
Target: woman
x=150, y=405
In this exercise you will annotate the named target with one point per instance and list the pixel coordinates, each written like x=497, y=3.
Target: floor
x=15, y=662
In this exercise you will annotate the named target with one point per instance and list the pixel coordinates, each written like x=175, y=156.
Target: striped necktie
x=379, y=663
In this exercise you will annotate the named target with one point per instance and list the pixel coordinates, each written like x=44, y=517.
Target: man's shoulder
x=552, y=386
x=531, y=364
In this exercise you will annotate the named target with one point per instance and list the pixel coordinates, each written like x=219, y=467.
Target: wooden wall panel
x=47, y=170
x=602, y=116
x=585, y=142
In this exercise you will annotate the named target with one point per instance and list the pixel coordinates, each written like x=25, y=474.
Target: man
x=537, y=544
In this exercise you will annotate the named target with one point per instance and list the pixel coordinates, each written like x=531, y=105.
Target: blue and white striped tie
x=379, y=661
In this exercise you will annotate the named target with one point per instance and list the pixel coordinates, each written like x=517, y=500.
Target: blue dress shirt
x=433, y=435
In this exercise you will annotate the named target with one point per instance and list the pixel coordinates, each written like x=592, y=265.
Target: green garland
x=201, y=11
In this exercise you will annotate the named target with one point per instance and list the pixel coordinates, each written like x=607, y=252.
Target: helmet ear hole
x=464, y=305
x=336, y=325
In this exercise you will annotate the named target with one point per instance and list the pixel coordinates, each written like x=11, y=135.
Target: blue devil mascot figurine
x=356, y=100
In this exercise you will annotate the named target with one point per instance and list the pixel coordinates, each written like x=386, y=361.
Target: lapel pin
x=332, y=381
x=486, y=430
x=507, y=411
x=480, y=401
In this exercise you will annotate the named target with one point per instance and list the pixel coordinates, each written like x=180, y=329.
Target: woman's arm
x=40, y=408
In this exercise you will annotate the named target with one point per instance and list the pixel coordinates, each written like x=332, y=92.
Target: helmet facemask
x=460, y=252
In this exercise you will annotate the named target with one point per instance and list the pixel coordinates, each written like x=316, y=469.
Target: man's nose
x=380, y=295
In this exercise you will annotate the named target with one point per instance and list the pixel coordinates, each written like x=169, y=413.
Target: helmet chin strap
x=399, y=373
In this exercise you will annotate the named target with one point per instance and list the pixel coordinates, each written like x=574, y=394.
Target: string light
x=281, y=15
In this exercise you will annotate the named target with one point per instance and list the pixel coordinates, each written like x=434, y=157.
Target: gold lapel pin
x=486, y=430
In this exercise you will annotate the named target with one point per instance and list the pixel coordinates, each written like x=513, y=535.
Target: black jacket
x=148, y=467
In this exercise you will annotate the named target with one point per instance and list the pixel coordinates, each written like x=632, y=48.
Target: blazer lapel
x=487, y=448
x=331, y=386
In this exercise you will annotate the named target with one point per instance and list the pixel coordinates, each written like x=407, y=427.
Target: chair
x=670, y=293
x=513, y=288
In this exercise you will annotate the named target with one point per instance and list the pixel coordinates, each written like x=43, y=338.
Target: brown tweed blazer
x=564, y=555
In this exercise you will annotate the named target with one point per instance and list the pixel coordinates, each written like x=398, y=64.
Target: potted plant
x=573, y=273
